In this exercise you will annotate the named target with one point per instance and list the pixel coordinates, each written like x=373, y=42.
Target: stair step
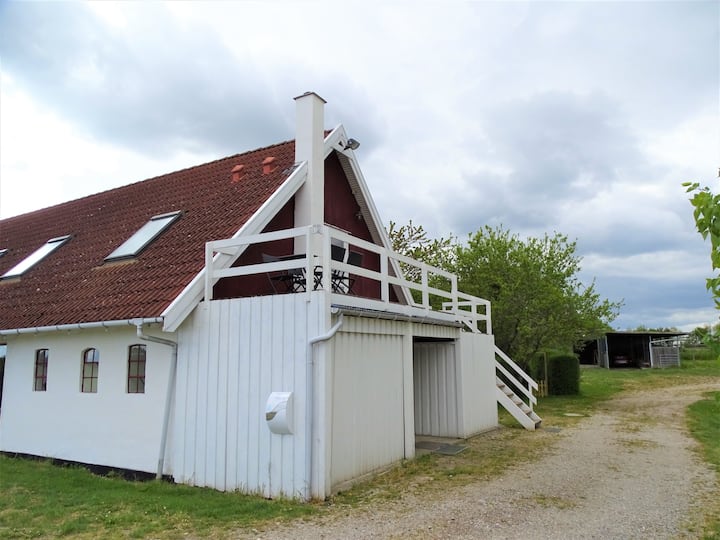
x=520, y=410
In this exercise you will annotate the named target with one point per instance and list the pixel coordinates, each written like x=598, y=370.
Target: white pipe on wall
x=168, y=396
x=310, y=401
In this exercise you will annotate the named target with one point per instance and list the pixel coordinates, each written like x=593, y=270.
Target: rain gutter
x=79, y=326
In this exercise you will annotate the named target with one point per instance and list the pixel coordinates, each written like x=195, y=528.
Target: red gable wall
x=341, y=211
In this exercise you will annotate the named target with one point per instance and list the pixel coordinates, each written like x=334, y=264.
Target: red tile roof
x=73, y=284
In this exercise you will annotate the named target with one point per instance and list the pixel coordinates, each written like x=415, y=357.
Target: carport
x=633, y=349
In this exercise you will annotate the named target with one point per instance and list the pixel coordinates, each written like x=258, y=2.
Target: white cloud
x=660, y=266
x=46, y=160
x=692, y=147
x=579, y=117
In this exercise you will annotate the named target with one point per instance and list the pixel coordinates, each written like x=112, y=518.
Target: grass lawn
x=41, y=500
x=598, y=385
x=704, y=423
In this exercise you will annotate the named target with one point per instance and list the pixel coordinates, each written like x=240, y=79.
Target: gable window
x=146, y=234
x=90, y=369
x=41, y=364
x=35, y=257
x=136, y=369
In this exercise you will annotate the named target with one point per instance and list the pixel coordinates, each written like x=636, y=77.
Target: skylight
x=146, y=234
x=3, y=252
x=35, y=257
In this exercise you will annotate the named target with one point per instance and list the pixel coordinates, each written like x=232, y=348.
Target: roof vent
x=237, y=173
x=268, y=165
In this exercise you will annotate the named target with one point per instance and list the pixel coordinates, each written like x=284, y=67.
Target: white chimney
x=310, y=147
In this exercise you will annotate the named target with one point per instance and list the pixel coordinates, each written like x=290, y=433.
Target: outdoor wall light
x=352, y=144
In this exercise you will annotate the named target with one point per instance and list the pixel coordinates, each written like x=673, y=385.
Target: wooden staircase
x=511, y=381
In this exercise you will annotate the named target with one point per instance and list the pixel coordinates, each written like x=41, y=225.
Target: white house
x=242, y=324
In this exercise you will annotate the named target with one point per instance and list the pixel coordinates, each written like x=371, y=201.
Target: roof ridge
x=127, y=185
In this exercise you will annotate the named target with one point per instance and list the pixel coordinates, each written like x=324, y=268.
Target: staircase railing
x=513, y=375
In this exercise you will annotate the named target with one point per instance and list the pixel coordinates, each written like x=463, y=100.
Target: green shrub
x=541, y=359
x=563, y=375
x=537, y=367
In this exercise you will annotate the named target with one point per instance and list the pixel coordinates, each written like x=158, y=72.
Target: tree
x=700, y=335
x=643, y=328
x=412, y=241
x=707, y=220
x=538, y=302
x=537, y=299
x=706, y=213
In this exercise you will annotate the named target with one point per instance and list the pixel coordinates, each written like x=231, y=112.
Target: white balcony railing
x=432, y=294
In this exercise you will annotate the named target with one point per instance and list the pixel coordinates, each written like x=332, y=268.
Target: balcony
x=358, y=274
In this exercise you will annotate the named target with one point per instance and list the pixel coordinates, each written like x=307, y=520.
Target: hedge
x=563, y=375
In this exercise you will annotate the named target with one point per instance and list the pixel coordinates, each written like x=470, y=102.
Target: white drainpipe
x=310, y=401
x=168, y=396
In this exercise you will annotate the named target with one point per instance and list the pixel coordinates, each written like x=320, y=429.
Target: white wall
x=455, y=386
x=233, y=354
x=110, y=427
x=476, y=389
x=436, y=383
x=368, y=412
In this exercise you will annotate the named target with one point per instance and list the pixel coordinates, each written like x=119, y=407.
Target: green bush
x=541, y=359
x=537, y=367
x=563, y=375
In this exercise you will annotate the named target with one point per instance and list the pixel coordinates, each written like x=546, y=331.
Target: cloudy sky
x=577, y=117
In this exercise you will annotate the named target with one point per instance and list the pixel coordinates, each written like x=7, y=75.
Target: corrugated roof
x=74, y=284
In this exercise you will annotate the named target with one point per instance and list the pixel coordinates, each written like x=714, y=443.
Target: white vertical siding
x=476, y=387
x=368, y=402
x=236, y=352
x=408, y=396
x=436, y=389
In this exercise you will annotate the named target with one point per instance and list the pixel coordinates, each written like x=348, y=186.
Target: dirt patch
x=628, y=471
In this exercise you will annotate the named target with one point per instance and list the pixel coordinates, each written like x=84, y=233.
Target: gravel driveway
x=629, y=471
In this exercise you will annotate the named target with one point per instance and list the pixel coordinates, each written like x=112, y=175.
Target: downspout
x=310, y=401
x=168, y=396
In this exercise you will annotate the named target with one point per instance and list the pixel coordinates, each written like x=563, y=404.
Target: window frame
x=37, y=256
x=89, y=382
x=42, y=376
x=136, y=381
x=143, y=237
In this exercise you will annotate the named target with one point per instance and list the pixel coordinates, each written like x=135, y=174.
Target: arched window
x=90, y=369
x=41, y=363
x=136, y=369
